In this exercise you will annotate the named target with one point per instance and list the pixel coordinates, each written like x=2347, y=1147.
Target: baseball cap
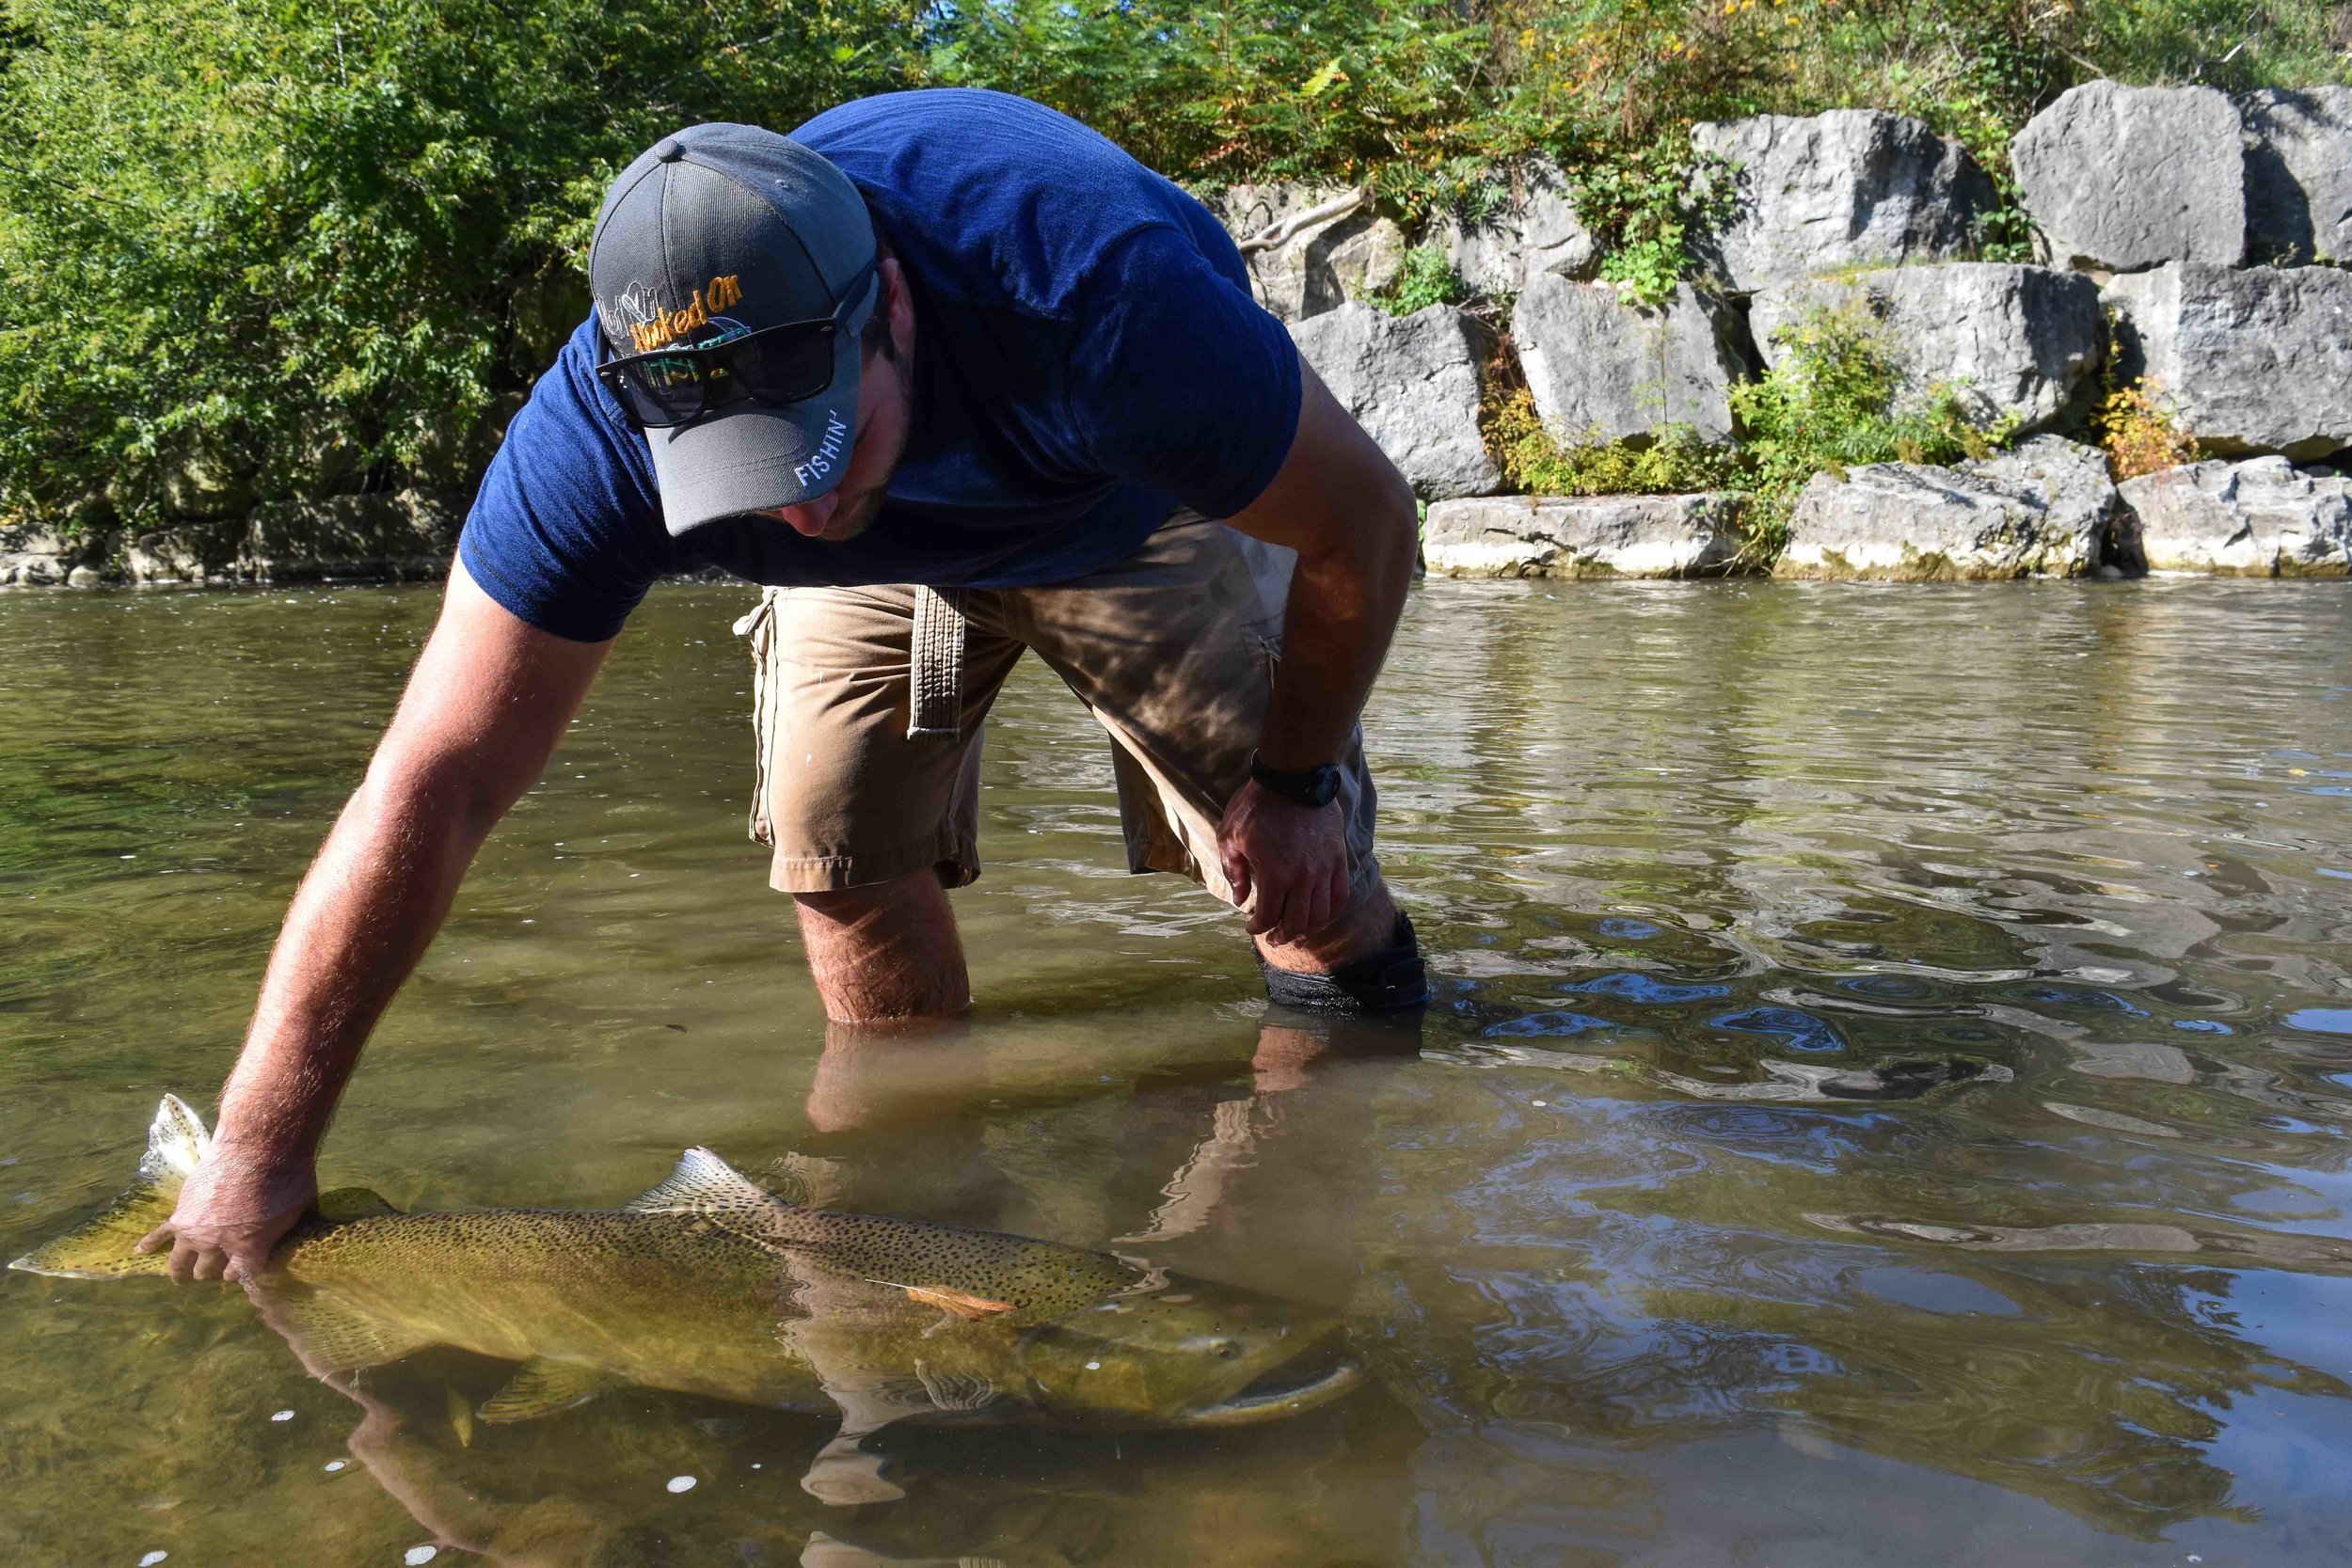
x=712, y=233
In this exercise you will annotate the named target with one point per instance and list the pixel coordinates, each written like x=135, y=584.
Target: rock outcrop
x=1583, y=536
x=2045, y=510
x=1534, y=231
x=2117, y=178
x=2258, y=519
x=1853, y=187
x=2024, y=341
x=1602, y=369
x=1413, y=385
x=2256, y=360
x=405, y=534
x=1324, y=265
x=2299, y=175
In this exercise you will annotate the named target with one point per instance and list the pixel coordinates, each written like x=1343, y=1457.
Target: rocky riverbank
x=2185, y=241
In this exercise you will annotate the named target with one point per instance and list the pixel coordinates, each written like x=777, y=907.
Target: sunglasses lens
x=663, y=392
x=784, y=365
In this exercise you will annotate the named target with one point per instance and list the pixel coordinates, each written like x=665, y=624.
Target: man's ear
x=897, y=305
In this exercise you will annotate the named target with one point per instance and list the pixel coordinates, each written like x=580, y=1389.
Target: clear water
x=1888, y=1098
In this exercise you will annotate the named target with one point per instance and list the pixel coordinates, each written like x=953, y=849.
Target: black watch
x=1309, y=786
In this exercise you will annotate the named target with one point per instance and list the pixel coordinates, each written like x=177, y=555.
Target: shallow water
x=1887, y=1102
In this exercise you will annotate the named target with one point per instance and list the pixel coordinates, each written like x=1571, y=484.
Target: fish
x=709, y=1284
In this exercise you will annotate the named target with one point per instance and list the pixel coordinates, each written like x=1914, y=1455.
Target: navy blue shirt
x=1086, y=357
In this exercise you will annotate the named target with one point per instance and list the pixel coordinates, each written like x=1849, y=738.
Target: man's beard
x=855, y=516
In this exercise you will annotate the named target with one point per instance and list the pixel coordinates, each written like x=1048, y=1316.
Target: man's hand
x=232, y=1213
x=1293, y=858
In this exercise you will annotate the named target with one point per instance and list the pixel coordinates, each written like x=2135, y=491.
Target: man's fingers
x=182, y=1265
x=156, y=1238
x=1237, y=875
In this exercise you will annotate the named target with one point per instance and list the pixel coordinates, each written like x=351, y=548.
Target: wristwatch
x=1309, y=786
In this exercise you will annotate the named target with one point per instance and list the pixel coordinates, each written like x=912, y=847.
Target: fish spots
x=282, y=1414
x=682, y=1483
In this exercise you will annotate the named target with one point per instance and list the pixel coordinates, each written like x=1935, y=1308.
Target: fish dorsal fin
x=332, y=1335
x=542, y=1388
x=353, y=1203
x=176, y=1144
x=703, y=1184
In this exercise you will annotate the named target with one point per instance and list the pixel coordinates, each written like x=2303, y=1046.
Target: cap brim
x=756, y=456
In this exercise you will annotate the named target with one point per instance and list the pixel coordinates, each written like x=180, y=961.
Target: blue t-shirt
x=1086, y=356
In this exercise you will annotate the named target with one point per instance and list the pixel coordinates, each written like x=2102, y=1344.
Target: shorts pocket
x=760, y=628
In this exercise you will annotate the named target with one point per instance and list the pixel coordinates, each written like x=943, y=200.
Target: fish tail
x=105, y=1248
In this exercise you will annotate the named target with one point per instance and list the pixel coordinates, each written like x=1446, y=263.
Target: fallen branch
x=1283, y=232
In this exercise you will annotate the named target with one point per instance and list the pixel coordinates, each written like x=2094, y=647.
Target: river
x=1887, y=1097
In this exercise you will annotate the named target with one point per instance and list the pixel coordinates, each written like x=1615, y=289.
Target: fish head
x=1186, y=1353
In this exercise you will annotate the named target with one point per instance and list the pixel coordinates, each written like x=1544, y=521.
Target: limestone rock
x=2024, y=340
x=1853, y=187
x=1583, y=536
x=1319, y=268
x=205, y=484
x=409, y=533
x=2256, y=360
x=2258, y=519
x=1536, y=231
x=2117, y=178
x=1602, y=369
x=2078, y=497
x=2299, y=175
x=2031, y=514
x=1413, y=385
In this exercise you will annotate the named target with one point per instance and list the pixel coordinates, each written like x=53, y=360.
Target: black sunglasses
x=786, y=363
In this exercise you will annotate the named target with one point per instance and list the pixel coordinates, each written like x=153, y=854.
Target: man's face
x=885, y=405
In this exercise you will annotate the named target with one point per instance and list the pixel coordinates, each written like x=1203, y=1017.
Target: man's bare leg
x=1367, y=926
x=885, y=952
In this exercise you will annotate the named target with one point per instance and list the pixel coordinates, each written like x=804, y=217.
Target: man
x=946, y=339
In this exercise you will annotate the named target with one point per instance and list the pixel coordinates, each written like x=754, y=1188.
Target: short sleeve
x=566, y=529
x=1180, y=380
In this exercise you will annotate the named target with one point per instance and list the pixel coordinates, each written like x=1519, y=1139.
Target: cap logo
x=828, y=452
x=637, y=314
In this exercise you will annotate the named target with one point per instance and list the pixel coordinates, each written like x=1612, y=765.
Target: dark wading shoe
x=711, y=1285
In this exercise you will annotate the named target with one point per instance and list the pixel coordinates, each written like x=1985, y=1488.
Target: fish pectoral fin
x=353, y=1203
x=333, y=1336
x=542, y=1388
x=703, y=1184
x=964, y=1304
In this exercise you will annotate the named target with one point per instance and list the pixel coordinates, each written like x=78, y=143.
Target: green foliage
x=1675, y=462
x=1834, y=398
x=1424, y=277
x=1644, y=204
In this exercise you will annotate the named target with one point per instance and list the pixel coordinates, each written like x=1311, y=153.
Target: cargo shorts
x=868, y=705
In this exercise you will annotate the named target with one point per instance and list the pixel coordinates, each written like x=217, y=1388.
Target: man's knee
x=918, y=892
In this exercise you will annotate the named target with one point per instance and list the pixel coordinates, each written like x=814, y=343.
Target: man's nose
x=809, y=518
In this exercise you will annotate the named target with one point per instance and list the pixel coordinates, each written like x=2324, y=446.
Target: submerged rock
x=2255, y=359
x=2046, y=510
x=2117, y=178
x=1602, y=369
x=2262, y=518
x=2299, y=175
x=1324, y=265
x=1853, y=187
x=1582, y=536
x=1413, y=385
x=2022, y=340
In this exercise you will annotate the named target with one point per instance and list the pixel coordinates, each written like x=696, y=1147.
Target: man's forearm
x=1342, y=610
x=364, y=915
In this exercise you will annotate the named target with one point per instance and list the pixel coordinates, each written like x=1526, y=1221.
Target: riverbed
x=1888, y=1095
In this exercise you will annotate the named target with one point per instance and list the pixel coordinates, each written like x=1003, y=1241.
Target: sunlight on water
x=1887, y=1099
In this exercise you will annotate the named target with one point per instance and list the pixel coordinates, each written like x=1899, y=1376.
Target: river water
x=1887, y=1097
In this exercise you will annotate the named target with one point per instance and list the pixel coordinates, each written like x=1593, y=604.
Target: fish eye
x=1227, y=1349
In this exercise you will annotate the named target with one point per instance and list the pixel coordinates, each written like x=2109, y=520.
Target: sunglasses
x=787, y=363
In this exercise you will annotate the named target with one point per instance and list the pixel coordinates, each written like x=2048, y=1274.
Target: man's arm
x=485, y=706
x=1339, y=503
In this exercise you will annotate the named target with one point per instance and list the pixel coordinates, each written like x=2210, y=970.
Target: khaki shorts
x=869, y=703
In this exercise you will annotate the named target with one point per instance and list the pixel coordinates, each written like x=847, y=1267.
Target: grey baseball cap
x=711, y=233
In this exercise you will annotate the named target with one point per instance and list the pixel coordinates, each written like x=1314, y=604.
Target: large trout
x=708, y=1284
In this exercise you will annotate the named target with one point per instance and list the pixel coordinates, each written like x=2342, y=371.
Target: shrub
x=1424, y=277
x=1675, y=462
x=2140, y=429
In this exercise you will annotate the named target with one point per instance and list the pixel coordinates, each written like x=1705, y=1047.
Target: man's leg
x=885, y=952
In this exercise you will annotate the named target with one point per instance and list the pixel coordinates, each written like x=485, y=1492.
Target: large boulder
x=1582, y=536
x=407, y=533
x=1412, y=383
x=1323, y=265
x=1853, y=187
x=2045, y=510
x=2117, y=178
x=1602, y=369
x=2299, y=175
x=2022, y=340
x=2260, y=518
x=1534, y=231
x=2255, y=359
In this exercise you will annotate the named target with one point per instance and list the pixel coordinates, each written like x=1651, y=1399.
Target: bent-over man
x=953, y=376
